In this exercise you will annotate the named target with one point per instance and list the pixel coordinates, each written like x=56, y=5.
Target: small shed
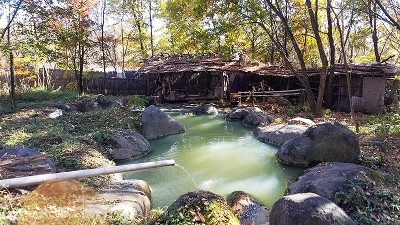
x=368, y=86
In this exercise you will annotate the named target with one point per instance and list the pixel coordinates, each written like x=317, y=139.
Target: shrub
x=369, y=206
x=386, y=124
x=137, y=101
x=291, y=110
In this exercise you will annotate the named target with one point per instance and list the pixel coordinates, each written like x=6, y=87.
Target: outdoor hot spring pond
x=214, y=154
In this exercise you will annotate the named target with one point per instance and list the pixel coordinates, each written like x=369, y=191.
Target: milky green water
x=217, y=155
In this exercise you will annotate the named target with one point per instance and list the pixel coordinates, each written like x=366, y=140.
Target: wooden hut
x=368, y=86
x=208, y=77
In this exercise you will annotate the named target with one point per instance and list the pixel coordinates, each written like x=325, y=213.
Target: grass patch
x=73, y=138
x=41, y=95
x=74, y=141
x=34, y=98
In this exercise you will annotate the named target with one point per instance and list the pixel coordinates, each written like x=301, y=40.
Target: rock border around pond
x=324, y=142
x=329, y=178
x=307, y=208
x=156, y=123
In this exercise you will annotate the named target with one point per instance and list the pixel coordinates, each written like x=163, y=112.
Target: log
x=23, y=160
x=43, y=168
x=53, y=177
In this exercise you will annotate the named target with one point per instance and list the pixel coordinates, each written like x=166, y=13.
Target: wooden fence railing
x=120, y=86
x=237, y=97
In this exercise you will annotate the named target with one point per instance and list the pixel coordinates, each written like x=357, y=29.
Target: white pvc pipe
x=52, y=177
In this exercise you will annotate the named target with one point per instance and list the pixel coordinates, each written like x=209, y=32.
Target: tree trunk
x=139, y=27
x=329, y=89
x=12, y=76
x=372, y=22
x=151, y=29
x=302, y=77
x=324, y=60
x=12, y=80
x=123, y=50
x=103, y=11
x=81, y=63
x=45, y=77
x=394, y=94
x=348, y=79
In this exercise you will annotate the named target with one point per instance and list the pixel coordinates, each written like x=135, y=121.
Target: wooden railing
x=237, y=97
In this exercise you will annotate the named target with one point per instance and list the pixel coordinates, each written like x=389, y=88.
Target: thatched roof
x=369, y=69
x=184, y=63
x=211, y=62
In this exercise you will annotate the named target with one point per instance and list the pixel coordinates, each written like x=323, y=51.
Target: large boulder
x=43, y=166
x=156, y=123
x=307, y=208
x=324, y=142
x=131, y=198
x=256, y=118
x=247, y=210
x=278, y=134
x=130, y=146
x=327, y=179
x=205, y=109
x=200, y=207
x=237, y=114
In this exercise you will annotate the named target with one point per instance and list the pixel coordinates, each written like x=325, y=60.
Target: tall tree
x=301, y=75
x=348, y=78
x=72, y=26
x=151, y=28
x=372, y=15
x=103, y=13
x=322, y=55
x=332, y=51
x=11, y=57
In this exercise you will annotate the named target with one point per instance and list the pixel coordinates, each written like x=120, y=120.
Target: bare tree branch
x=18, y=6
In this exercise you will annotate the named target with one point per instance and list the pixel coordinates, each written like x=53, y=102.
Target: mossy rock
x=200, y=207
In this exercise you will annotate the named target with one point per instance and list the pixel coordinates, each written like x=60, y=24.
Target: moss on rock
x=200, y=207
